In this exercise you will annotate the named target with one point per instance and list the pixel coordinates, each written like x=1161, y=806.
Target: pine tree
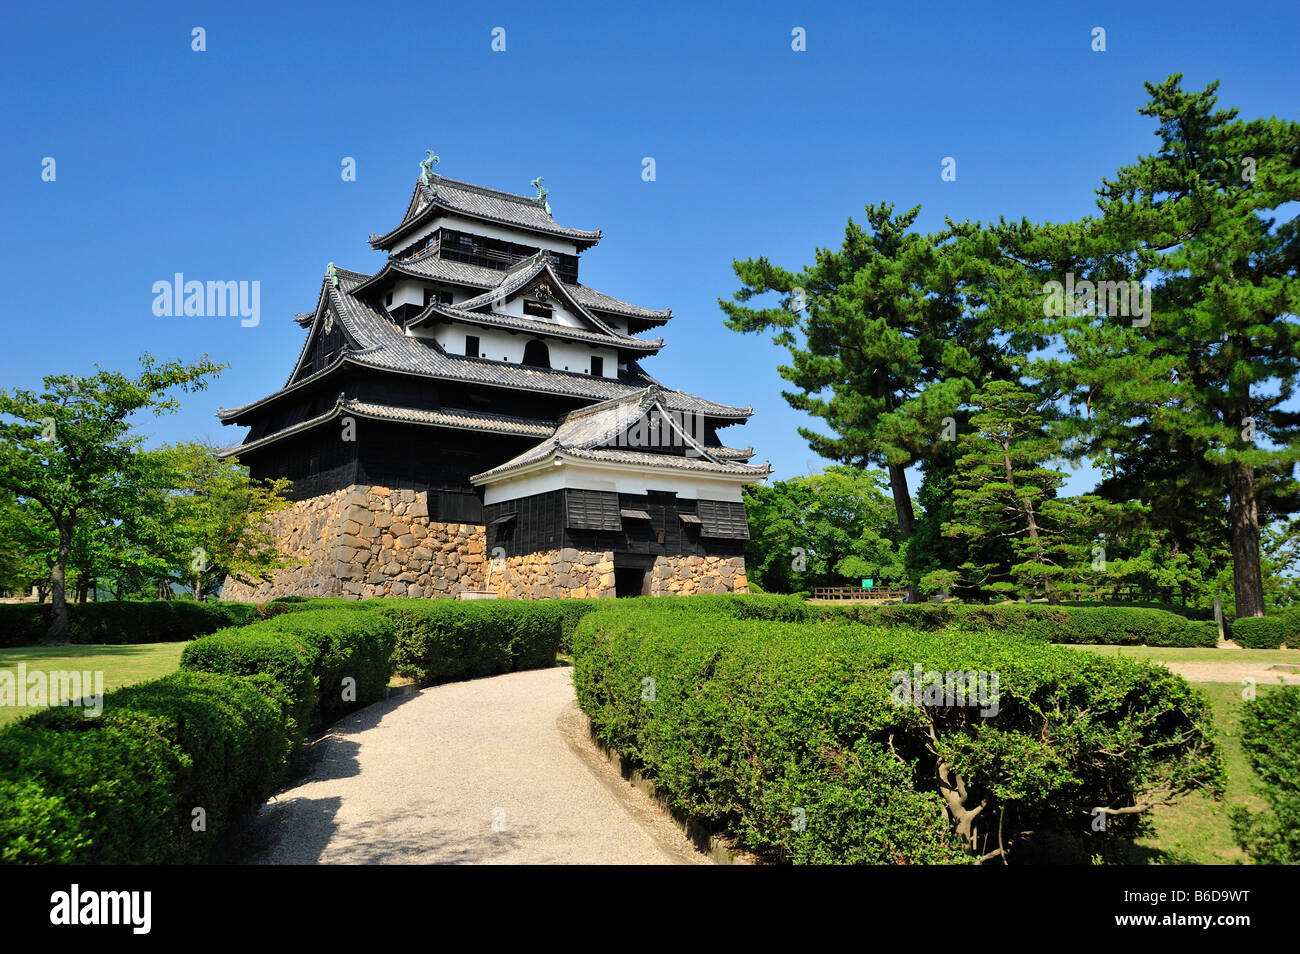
x=1208, y=378
x=1004, y=499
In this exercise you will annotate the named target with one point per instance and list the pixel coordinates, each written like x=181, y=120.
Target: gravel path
x=491, y=771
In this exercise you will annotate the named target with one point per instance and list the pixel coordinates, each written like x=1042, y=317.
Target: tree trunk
x=906, y=516
x=1031, y=522
x=1243, y=510
x=57, y=634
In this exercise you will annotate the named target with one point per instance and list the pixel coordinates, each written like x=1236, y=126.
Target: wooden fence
x=856, y=593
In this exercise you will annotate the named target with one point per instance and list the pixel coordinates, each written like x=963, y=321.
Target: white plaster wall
x=408, y=292
x=629, y=480
x=497, y=345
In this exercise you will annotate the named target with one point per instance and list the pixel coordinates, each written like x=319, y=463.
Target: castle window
x=471, y=346
x=535, y=309
x=597, y=365
x=537, y=354
x=388, y=300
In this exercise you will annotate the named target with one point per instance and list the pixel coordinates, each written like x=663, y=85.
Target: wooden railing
x=855, y=593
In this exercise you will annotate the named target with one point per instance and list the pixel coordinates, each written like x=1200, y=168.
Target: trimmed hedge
x=1267, y=632
x=280, y=668
x=1107, y=625
x=1270, y=734
x=217, y=735
x=444, y=640
x=309, y=654
x=115, y=622
x=1197, y=613
x=1090, y=625
x=122, y=788
x=752, y=725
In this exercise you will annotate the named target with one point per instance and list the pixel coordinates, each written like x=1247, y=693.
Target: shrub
x=232, y=732
x=35, y=826
x=749, y=725
x=281, y=669
x=340, y=644
x=1267, y=632
x=1200, y=614
x=114, y=622
x=101, y=791
x=442, y=640
x=122, y=787
x=1270, y=734
x=1093, y=625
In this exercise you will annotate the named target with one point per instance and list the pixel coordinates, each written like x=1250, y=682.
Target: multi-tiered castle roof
x=476, y=337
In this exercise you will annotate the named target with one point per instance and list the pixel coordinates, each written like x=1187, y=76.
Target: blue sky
x=225, y=164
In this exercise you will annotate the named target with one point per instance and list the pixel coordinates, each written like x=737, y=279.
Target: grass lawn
x=1197, y=829
x=121, y=665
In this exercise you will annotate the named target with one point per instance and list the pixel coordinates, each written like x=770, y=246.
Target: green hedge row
x=1122, y=625
x=123, y=788
x=1092, y=625
x=114, y=622
x=1190, y=612
x=442, y=640
x=322, y=662
x=1268, y=632
x=791, y=738
x=1270, y=734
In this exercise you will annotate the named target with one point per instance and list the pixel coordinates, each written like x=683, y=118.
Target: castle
x=472, y=421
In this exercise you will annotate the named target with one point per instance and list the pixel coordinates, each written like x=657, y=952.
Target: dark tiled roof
x=450, y=196
x=383, y=346
x=538, y=326
x=518, y=279
x=433, y=268
x=453, y=418
x=585, y=433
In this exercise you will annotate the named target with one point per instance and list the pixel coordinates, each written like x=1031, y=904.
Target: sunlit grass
x=121, y=665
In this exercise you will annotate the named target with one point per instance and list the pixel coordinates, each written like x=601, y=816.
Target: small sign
x=868, y=584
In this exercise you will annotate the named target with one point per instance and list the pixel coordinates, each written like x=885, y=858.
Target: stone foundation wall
x=579, y=573
x=365, y=542
x=567, y=572
x=686, y=575
x=370, y=541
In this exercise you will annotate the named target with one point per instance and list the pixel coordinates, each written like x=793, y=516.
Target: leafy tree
x=215, y=519
x=821, y=529
x=24, y=542
x=69, y=449
x=1209, y=377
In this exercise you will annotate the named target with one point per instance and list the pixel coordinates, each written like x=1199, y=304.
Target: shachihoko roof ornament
x=542, y=193
x=426, y=167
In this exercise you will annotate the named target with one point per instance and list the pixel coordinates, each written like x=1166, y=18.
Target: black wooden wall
x=540, y=521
